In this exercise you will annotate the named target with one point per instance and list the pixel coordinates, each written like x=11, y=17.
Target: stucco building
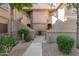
x=40, y=17
x=4, y=18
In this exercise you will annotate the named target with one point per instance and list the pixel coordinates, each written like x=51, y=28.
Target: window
x=3, y=28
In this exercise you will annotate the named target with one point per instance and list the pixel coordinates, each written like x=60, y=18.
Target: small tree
x=19, y=7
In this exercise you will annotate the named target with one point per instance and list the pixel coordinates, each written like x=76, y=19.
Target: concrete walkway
x=35, y=49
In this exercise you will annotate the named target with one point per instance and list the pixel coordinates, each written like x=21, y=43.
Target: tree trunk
x=11, y=19
x=77, y=39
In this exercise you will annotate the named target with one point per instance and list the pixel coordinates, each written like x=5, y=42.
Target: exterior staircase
x=16, y=25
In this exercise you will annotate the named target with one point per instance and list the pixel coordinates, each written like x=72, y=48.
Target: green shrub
x=26, y=33
x=27, y=38
x=65, y=43
x=7, y=42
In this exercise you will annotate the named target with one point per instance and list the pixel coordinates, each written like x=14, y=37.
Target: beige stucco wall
x=4, y=16
x=40, y=18
x=17, y=14
x=3, y=20
x=62, y=28
x=25, y=20
x=4, y=13
x=67, y=27
x=70, y=12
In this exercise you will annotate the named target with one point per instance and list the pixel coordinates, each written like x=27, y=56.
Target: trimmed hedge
x=26, y=33
x=65, y=43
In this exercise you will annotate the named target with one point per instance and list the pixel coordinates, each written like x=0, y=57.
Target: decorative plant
x=7, y=43
x=65, y=43
x=24, y=34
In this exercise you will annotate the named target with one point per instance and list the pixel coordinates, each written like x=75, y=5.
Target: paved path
x=35, y=49
x=19, y=49
x=51, y=49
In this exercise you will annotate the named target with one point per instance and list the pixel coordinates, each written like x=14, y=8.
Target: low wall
x=51, y=36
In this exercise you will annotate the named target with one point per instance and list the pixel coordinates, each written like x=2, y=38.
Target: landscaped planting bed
x=6, y=44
